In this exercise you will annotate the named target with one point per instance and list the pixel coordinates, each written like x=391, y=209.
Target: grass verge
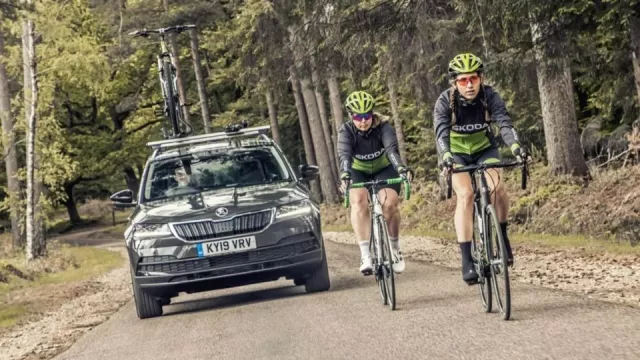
x=27, y=289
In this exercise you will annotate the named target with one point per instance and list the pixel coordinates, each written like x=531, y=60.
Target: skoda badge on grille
x=222, y=212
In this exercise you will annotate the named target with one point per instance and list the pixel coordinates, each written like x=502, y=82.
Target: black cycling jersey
x=365, y=151
x=471, y=132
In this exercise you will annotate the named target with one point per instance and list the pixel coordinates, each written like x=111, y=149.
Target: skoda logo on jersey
x=222, y=212
x=369, y=156
x=469, y=127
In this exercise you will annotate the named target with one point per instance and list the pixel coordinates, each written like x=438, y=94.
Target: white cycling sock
x=364, y=248
x=395, y=243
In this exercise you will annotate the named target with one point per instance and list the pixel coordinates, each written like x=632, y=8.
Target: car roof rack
x=231, y=133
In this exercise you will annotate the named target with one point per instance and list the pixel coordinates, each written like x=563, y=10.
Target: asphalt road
x=438, y=317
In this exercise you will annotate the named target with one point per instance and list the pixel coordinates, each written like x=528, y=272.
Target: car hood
x=204, y=205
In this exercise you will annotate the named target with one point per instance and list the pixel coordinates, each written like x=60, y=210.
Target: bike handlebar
x=482, y=167
x=177, y=29
x=368, y=184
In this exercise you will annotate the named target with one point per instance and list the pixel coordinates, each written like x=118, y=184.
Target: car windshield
x=213, y=169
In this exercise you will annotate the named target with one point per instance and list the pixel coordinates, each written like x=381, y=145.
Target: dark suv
x=221, y=210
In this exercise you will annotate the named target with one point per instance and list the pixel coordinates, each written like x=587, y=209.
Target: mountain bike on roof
x=169, y=81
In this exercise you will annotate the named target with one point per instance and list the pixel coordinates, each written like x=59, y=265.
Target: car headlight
x=294, y=209
x=151, y=231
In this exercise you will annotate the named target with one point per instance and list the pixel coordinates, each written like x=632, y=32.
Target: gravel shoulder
x=609, y=277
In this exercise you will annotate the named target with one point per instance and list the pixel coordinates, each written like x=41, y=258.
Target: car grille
x=209, y=229
x=169, y=264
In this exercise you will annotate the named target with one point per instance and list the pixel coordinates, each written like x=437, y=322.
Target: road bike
x=487, y=246
x=379, y=244
x=169, y=81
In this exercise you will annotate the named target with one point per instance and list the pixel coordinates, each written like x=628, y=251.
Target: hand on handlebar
x=447, y=163
x=522, y=155
x=405, y=173
x=345, y=181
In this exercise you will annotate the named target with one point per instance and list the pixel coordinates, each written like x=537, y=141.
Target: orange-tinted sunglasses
x=474, y=79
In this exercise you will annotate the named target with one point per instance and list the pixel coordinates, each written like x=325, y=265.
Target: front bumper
x=290, y=249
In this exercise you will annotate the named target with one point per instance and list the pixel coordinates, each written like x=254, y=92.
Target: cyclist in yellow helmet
x=461, y=117
x=368, y=150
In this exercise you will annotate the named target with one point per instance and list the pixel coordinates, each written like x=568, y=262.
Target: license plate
x=226, y=246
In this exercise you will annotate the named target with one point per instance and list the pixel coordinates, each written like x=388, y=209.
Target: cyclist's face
x=469, y=85
x=363, y=121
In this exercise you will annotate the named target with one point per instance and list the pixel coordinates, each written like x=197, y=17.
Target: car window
x=207, y=170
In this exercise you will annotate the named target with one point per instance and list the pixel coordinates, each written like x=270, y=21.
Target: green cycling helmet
x=465, y=63
x=359, y=102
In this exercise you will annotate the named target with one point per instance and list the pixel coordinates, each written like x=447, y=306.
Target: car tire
x=147, y=306
x=319, y=280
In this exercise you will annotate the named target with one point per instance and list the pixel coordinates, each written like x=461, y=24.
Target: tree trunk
x=10, y=152
x=327, y=181
x=309, y=152
x=634, y=31
x=35, y=244
x=336, y=110
x=173, y=45
x=202, y=88
x=273, y=117
x=562, y=136
x=397, y=122
x=326, y=126
x=132, y=180
x=70, y=204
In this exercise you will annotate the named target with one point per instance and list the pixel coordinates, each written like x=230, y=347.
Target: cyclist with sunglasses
x=368, y=150
x=461, y=117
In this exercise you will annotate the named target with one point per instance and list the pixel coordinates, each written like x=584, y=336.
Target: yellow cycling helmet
x=359, y=102
x=465, y=63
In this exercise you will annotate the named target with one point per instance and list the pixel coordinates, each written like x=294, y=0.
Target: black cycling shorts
x=487, y=156
x=387, y=173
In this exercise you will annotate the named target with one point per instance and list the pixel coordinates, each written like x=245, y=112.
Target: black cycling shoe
x=470, y=277
x=469, y=274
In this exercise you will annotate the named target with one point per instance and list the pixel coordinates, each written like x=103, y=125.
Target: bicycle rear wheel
x=170, y=100
x=387, y=264
x=498, y=260
x=479, y=254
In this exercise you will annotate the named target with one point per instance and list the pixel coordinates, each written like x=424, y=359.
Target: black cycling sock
x=507, y=243
x=467, y=261
x=503, y=227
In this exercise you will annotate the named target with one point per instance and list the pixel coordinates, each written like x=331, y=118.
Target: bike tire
x=373, y=249
x=167, y=68
x=499, y=268
x=479, y=251
x=387, y=265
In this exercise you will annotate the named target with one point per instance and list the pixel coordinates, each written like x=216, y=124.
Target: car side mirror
x=308, y=172
x=123, y=198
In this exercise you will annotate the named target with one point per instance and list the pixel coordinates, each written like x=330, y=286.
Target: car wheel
x=147, y=306
x=319, y=280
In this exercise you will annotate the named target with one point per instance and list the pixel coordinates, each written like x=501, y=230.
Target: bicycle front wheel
x=387, y=264
x=479, y=253
x=373, y=247
x=170, y=100
x=498, y=261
